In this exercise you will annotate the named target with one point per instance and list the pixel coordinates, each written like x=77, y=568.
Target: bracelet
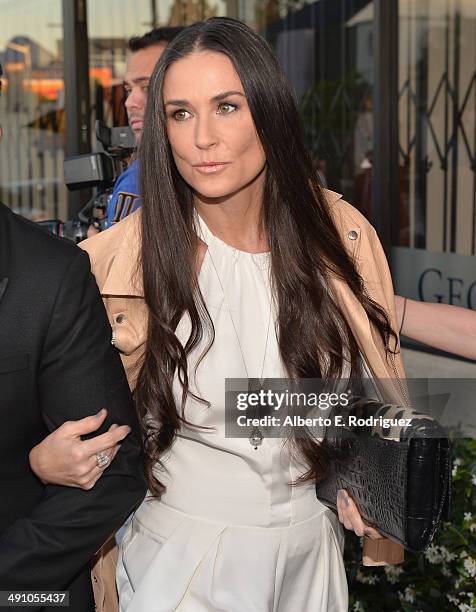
x=403, y=315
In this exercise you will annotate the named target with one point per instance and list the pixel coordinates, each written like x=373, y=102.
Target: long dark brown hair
x=306, y=249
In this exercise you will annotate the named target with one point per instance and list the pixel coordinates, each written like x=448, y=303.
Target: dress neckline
x=210, y=239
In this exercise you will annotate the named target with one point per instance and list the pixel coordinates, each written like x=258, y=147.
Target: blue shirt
x=125, y=198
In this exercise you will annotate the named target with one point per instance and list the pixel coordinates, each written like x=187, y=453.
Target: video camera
x=99, y=170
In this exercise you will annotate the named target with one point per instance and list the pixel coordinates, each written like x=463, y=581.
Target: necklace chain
x=256, y=436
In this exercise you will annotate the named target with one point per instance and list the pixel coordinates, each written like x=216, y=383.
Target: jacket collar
x=123, y=277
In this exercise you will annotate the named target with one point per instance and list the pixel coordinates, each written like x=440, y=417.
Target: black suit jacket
x=56, y=364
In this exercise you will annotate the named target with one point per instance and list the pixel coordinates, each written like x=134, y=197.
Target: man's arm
x=80, y=373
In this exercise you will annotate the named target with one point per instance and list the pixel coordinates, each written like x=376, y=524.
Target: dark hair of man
x=154, y=37
x=306, y=249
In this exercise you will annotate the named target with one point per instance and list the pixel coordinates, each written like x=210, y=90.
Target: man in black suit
x=56, y=364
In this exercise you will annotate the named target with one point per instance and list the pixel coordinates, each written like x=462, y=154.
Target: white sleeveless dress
x=230, y=534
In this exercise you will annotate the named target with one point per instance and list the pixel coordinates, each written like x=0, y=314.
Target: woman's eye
x=181, y=115
x=225, y=108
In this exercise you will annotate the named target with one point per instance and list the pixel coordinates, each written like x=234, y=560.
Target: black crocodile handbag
x=398, y=476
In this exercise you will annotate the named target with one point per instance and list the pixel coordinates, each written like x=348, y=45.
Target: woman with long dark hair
x=239, y=265
x=239, y=248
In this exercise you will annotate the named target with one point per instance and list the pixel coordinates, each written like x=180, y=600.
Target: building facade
x=386, y=90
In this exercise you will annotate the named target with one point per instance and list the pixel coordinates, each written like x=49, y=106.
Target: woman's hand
x=350, y=517
x=62, y=458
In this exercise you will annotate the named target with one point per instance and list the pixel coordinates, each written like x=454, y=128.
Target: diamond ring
x=102, y=459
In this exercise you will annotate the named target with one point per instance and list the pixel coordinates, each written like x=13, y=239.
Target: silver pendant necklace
x=254, y=384
x=256, y=437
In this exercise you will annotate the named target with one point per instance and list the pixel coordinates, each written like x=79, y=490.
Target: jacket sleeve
x=79, y=374
x=377, y=273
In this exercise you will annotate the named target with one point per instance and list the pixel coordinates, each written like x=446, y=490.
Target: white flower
x=470, y=566
x=468, y=516
x=454, y=600
x=456, y=463
x=446, y=555
x=466, y=608
x=393, y=573
x=439, y=554
x=472, y=527
x=463, y=554
x=366, y=578
x=358, y=607
x=409, y=595
x=473, y=480
x=433, y=554
x=445, y=571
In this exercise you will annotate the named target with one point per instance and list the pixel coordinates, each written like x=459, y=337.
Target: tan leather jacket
x=114, y=255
